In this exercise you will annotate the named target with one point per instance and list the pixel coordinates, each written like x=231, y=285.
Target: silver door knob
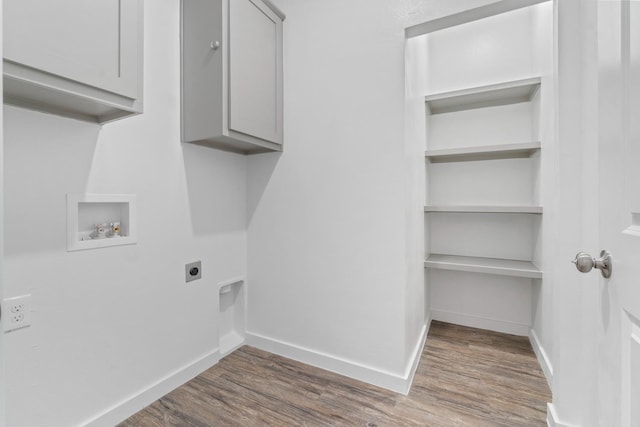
x=585, y=262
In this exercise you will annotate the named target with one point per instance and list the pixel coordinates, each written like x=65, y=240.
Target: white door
x=611, y=327
x=255, y=38
x=619, y=208
x=596, y=345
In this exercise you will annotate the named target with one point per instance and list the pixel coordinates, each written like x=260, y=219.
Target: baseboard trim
x=129, y=406
x=543, y=358
x=349, y=368
x=552, y=418
x=481, y=322
x=415, y=356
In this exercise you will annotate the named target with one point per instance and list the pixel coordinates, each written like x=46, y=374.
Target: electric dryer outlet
x=193, y=271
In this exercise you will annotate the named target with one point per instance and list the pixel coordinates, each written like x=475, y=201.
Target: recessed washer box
x=86, y=211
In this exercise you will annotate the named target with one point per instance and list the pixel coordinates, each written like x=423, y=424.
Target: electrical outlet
x=16, y=312
x=193, y=271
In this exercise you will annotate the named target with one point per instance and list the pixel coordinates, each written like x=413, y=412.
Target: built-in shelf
x=501, y=267
x=484, y=96
x=485, y=209
x=484, y=152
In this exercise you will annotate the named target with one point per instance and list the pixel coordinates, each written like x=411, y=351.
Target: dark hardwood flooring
x=467, y=377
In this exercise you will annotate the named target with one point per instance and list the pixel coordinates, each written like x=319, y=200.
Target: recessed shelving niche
x=483, y=203
x=117, y=212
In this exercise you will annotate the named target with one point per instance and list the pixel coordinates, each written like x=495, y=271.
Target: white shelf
x=485, y=209
x=484, y=96
x=501, y=267
x=484, y=152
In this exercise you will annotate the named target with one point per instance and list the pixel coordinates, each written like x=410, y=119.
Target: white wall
x=543, y=322
x=2, y=380
x=326, y=218
x=417, y=295
x=110, y=323
x=335, y=223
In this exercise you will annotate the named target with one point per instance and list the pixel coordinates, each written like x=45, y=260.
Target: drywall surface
x=2, y=380
x=417, y=296
x=110, y=323
x=544, y=253
x=486, y=51
x=335, y=233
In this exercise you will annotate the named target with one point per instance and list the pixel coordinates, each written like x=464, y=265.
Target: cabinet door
x=201, y=74
x=255, y=70
x=92, y=42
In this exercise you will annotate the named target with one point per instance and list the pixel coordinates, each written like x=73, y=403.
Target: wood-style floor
x=467, y=377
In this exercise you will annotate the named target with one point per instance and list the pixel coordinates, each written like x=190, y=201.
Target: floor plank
x=466, y=377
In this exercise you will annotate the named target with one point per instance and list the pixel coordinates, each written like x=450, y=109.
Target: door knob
x=585, y=262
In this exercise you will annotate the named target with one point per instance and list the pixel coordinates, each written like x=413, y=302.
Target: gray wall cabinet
x=232, y=74
x=75, y=58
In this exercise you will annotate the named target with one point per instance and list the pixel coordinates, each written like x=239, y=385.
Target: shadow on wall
x=262, y=167
x=45, y=157
x=217, y=189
